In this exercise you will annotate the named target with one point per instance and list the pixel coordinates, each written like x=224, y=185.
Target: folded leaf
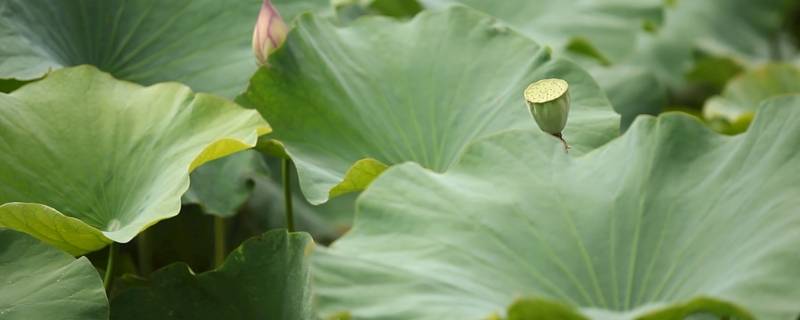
x=86, y=159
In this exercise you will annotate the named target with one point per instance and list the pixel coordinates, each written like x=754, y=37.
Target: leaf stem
x=112, y=253
x=143, y=253
x=286, y=165
x=219, y=241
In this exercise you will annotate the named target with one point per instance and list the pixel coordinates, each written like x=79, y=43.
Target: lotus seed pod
x=548, y=101
x=269, y=33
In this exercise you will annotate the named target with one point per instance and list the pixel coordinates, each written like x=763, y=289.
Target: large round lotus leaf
x=266, y=278
x=205, y=44
x=86, y=159
x=602, y=29
x=38, y=281
x=347, y=101
x=669, y=220
x=733, y=110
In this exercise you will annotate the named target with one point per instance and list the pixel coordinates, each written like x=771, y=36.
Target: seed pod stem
x=548, y=102
x=561, y=138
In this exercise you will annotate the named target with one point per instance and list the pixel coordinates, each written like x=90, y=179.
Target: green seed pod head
x=548, y=101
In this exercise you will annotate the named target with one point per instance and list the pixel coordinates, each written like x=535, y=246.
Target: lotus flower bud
x=548, y=102
x=269, y=33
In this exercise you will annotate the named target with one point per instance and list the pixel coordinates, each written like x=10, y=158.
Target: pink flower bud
x=269, y=33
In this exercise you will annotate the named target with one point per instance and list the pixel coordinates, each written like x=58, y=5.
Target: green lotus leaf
x=266, y=278
x=348, y=10
x=698, y=308
x=537, y=309
x=395, y=8
x=222, y=186
x=86, y=159
x=669, y=220
x=337, y=95
x=604, y=30
x=38, y=281
x=8, y=85
x=733, y=110
x=205, y=44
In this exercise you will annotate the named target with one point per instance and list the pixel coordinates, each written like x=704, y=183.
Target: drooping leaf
x=337, y=95
x=86, y=159
x=266, y=278
x=669, y=220
x=732, y=111
x=224, y=185
x=38, y=281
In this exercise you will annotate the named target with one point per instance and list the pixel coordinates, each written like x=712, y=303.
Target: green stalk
x=144, y=254
x=219, y=241
x=112, y=253
x=286, y=165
